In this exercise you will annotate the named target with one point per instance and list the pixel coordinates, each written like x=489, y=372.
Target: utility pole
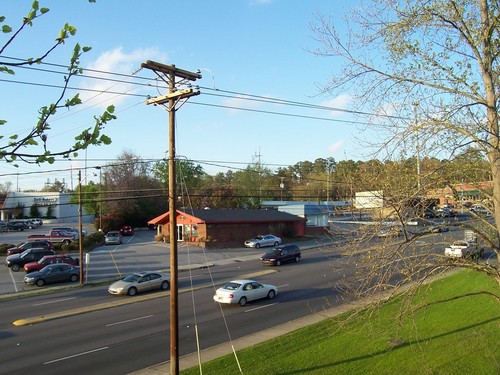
x=80, y=244
x=174, y=77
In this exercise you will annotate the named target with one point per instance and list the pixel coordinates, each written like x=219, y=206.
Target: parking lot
x=104, y=261
x=138, y=252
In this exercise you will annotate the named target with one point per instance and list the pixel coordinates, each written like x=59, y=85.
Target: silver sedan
x=140, y=282
x=263, y=240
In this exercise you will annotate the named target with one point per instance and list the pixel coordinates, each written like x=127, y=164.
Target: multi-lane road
x=121, y=339
x=102, y=334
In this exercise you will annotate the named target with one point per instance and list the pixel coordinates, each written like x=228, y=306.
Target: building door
x=180, y=234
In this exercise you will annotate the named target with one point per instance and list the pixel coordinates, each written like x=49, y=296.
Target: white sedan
x=263, y=240
x=242, y=291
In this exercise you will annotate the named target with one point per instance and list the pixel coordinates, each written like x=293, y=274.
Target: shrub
x=4, y=247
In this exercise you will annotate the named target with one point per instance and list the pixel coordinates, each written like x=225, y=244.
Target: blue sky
x=242, y=47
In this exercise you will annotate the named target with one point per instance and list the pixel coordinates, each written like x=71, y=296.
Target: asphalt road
x=122, y=339
x=127, y=338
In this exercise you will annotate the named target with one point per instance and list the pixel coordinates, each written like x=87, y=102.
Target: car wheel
x=165, y=285
x=15, y=267
x=66, y=242
x=297, y=259
x=271, y=294
x=257, y=245
x=40, y=282
x=132, y=291
x=278, y=263
x=276, y=243
x=73, y=278
x=243, y=301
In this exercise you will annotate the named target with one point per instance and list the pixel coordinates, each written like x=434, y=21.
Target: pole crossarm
x=171, y=69
x=180, y=94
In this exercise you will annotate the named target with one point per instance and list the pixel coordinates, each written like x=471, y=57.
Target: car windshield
x=132, y=278
x=272, y=252
x=232, y=286
x=258, y=237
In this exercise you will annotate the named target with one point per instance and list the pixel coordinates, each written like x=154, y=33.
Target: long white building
x=18, y=204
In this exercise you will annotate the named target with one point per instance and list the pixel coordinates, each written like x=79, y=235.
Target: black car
x=53, y=273
x=281, y=254
x=29, y=245
x=16, y=226
x=17, y=261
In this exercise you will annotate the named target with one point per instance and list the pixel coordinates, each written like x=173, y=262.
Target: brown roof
x=234, y=215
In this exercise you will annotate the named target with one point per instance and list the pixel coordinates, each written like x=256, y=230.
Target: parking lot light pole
x=169, y=74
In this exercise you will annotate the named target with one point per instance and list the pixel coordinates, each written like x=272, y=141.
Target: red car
x=127, y=230
x=50, y=259
x=28, y=245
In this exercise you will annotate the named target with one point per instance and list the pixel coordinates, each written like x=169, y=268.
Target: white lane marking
x=261, y=307
x=55, y=301
x=13, y=280
x=128, y=321
x=75, y=355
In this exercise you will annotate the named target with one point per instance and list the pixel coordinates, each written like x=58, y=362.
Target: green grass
x=461, y=336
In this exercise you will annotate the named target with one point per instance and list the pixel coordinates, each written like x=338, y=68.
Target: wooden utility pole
x=80, y=244
x=174, y=77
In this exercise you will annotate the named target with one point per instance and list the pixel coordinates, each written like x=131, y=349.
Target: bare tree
x=432, y=66
x=33, y=147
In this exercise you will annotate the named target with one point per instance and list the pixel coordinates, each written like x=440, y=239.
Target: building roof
x=232, y=216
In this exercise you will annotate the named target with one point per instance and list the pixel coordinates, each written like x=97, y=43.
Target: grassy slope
x=457, y=337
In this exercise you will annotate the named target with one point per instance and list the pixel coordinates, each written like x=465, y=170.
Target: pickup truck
x=464, y=249
x=55, y=236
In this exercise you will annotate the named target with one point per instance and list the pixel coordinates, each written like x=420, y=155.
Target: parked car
x=480, y=210
x=428, y=214
x=37, y=221
x=16, y=226
x=281, y=254
x=438, y=229
x=263, y=240
x=445, y=212
x=53, y=273
x=17, y=261
x=243, y=291
x=72, y=230
x=140, y=282
x=113, y=237
x=127, y=230
x=50, y=259
x=464, y=249
x=394, y=231
x=28, y=245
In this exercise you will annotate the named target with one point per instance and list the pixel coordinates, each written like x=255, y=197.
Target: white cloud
x=241, y=102
x=115, y=61
x=336, y=147
x=340, y=102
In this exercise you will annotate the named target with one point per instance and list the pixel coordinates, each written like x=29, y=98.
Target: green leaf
x=105, y=139
x=3, y=122
x=4, y=69
x=6, y=29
